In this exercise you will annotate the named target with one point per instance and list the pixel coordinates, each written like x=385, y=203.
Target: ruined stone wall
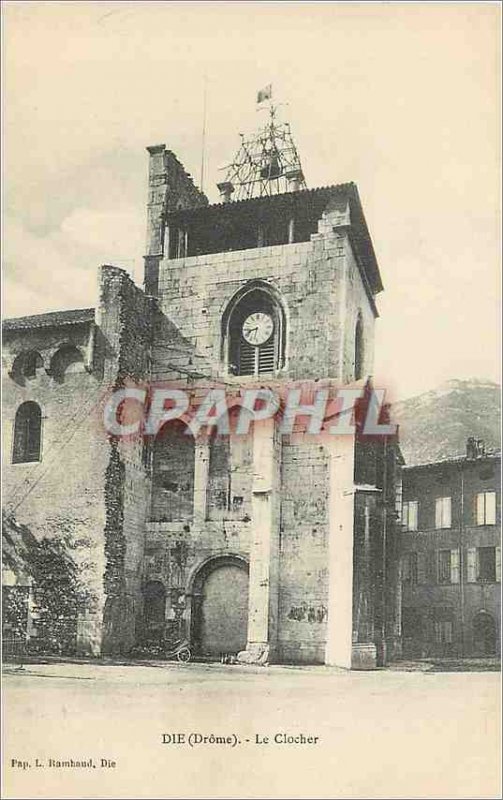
x=61, y=497
x=170, y=187
x=89, y=490
x=126, y=323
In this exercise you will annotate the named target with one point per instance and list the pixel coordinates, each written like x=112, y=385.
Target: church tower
x=278, y=546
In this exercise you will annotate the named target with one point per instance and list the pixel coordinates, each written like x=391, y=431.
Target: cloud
x=59, y=269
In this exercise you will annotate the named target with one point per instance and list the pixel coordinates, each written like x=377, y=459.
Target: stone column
x=340, y=551
x=367, y=579
x=351, y=601
x=264, y=546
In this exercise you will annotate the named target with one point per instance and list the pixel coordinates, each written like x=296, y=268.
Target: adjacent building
x=451, y=557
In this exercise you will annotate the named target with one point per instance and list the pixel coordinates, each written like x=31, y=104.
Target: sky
x=403, y=99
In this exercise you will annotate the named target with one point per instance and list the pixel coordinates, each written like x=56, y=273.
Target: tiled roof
x=49, y=320
x=490, y=455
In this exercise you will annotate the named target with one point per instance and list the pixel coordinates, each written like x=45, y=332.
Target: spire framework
x=266, y=163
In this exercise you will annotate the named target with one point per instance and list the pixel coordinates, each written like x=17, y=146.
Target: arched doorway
x=220, y=607
x=484, y=634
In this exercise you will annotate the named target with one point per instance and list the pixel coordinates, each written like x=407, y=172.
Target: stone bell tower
x=273, y=286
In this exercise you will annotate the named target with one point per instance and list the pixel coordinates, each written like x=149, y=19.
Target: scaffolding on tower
x=266, y=163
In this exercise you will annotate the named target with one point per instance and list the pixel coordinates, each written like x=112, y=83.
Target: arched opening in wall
x=220, y=607
x=67, y=361
x=26, y=367
x=154, y=610
x=359, y=348
x=230, y=471
x=484, y=634
x=254, y=332
x=173, y=459
x=27, y=433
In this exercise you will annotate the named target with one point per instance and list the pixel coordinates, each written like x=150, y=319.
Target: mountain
x=436, y=424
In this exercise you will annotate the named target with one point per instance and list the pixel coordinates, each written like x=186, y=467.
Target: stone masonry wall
x=319, y=284
x=303, y=577
x=169, y=188
x=126, y=322
x=61, y=496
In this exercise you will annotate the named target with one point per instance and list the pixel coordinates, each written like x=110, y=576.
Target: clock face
x=257, y=328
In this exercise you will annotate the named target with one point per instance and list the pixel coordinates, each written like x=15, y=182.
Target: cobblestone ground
x=385, y=734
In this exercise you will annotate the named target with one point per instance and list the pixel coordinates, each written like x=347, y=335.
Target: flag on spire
x=265, y=93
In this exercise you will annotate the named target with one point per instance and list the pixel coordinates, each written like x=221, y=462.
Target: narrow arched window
x=359, y=354
x=173, y=461
x=255, y=330
x=26, y=367
x=27, y=433
x=66, y=361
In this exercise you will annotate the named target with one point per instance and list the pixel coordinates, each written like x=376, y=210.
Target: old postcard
x=251, y=400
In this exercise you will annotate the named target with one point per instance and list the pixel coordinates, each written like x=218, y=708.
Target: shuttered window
x=483, y=564
x=444, y=566
x=410, y=510
x=448, y=566
x=257, y=360
x=455, y=565
x=486, y=508
x=486, y=557
x=443, y=512
x=27, y=433
x=443, y=631
x=471, y=565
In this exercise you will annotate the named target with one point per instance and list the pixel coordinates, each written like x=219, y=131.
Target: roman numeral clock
x=258, y=328
x=257, y=347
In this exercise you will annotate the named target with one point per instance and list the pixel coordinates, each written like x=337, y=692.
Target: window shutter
x=480, y=509
x=413, y=516
x=471, y=565
x=438, y=512
x=498, y=564
x=455, y=565
x=490, y=508
x=266, y=356
x=447, y=512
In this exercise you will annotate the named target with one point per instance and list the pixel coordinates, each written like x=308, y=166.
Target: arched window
x=254, y=333
x=359, y=352
x=66, y=361
x=26, y=366
x=27, y=433
x=173, y=461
